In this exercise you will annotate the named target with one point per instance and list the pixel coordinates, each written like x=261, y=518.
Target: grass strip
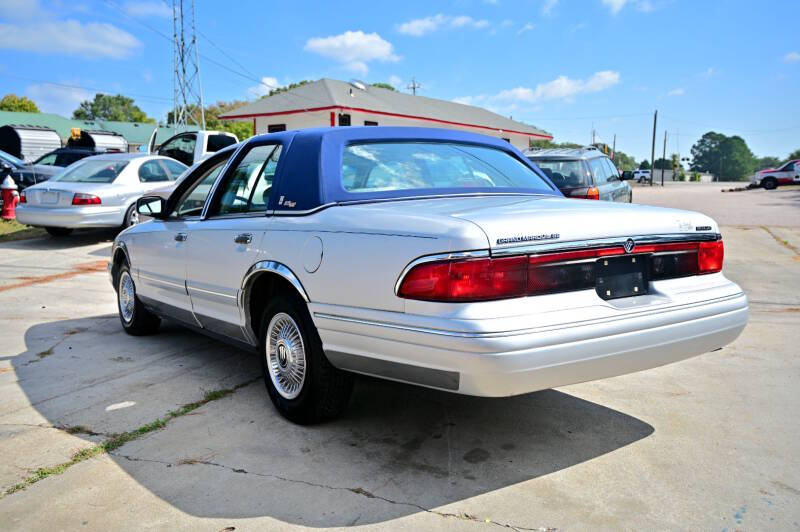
x=116, y=441
x=11, y=230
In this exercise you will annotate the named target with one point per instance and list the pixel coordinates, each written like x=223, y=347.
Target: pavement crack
x=355, y=490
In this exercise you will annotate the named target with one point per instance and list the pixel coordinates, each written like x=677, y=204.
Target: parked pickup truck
x=192, y=146
x=770, y=178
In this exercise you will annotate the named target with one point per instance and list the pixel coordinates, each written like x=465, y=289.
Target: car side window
x=152, y=172
x=599, y=170
x=173, y=167
x=180, y=148
x=613, y=174
x=49, y=159
x=193, y=200
x=247, y=189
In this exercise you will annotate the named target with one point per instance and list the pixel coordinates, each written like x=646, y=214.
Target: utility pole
x=414, y=86
x=614, y=146
x=188, y=95
x=592, y=133
x=653, y=149
x=664, y=158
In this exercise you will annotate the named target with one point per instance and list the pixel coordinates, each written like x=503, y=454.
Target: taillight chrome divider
x=532, y=251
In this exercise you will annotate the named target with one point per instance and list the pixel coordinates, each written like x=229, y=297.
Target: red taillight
x=466, y=280
x=593, y=193
x=22, y=198
x=85, y=199
x=709, y=257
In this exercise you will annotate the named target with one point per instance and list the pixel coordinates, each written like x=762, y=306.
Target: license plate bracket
x=49, y=198
x=617, y=277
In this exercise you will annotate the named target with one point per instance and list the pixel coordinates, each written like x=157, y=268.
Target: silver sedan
x=99, y=191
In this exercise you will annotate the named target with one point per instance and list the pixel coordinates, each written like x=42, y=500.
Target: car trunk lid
x=59, y=194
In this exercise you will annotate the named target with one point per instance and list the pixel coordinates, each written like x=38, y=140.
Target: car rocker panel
x=464, y=287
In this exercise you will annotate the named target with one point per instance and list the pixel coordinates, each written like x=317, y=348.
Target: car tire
x=131, y=217
x=58, y=231
x=135, y=318
x=302, y=384
x=769, y=183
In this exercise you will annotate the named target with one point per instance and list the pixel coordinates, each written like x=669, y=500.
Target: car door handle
x=181, y=237
x=243, y=238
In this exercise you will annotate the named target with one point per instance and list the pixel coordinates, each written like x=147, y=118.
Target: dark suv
x=64, y=157
x=585, y=173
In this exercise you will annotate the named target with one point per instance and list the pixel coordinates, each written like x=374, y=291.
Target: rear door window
x=152, y=172
x=613, y=174
x=600, y=170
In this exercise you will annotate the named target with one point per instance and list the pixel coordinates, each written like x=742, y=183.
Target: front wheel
x=304, y=387
x=135, y=318
x=769, y=183
x=58, y=231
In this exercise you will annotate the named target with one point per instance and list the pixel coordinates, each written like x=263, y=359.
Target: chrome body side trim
x=211, y=292
x=169, y=283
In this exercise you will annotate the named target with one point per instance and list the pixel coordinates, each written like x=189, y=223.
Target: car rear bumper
x=70, y=217
x=512, y=362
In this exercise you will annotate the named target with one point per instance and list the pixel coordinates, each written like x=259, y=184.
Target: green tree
x=768, y=162
x=728, y=158
x=624, y=161
x=794, y=155
x=644, y=165
x=12, y=102
x=288, y=87
x=661, y=163
x=547, y=144
x=243, y=130
x=117, y=108
x=386, y=86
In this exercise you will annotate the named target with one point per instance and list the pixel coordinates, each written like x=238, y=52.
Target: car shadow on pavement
x=398, y=450
x=82, y=237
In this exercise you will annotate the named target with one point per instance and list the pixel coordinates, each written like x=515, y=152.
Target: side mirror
x=152, y=206
x=5, y=168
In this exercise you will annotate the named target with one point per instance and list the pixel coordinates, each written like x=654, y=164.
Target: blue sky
x=564, y=66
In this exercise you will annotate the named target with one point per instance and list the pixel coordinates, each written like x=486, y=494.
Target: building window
x=370, y=123
x=275, y=128
x=344, y=120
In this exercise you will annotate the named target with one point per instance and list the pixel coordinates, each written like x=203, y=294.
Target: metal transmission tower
x=188, y=95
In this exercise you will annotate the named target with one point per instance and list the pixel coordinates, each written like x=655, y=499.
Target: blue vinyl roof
x=310, y=172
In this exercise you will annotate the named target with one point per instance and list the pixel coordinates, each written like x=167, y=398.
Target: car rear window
x=91, y=171
x=564, y=173
x=389, y=166
x=217, y=142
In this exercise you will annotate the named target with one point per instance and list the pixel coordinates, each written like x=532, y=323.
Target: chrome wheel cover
x=133, y=219
x=127, y=297
x=286, y=355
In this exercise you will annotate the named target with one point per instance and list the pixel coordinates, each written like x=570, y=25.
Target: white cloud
x=395, y=81
x=19, y=9
x=676, y=92
x=548, y=6
x=263, y=88
x=506, y=23
x=561, y=88
x=526, y=27
x=792, y=57
x=69, y=37
x=615, y=5
x=57, y=99
x=147, y=9
x=420, y=26
x=353, y=49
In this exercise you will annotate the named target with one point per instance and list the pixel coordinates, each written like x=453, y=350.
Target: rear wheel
x=131, y=217
x=770, y=183
x=302, y=384
x=58, y=231
x=135, y=318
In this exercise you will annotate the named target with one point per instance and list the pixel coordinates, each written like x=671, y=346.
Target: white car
x=427, y=256
x=771, y=178
x=640, y=176
x=191, y=147
x=98, y=191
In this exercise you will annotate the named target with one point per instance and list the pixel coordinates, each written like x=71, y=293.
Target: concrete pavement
x=710, y=442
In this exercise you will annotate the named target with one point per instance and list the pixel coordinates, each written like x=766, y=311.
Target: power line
x=102, y=91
